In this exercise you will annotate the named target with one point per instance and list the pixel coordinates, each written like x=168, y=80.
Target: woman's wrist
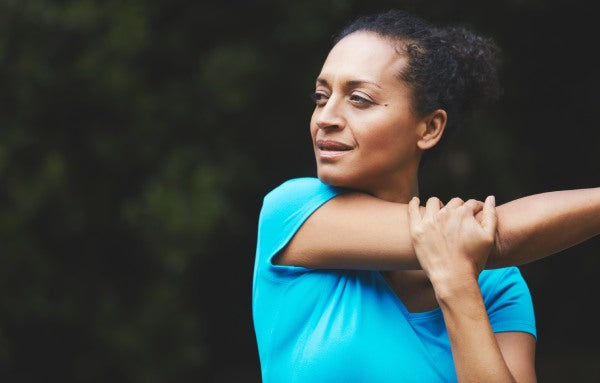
x=450, y=287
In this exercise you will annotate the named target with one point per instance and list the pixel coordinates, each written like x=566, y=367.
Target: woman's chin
x=336, y=179
x=328, y=178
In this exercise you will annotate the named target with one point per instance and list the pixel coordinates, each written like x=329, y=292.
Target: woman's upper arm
x=518, y=350
x=353, y=231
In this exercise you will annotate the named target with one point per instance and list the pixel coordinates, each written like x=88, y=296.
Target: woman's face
x=363, y=130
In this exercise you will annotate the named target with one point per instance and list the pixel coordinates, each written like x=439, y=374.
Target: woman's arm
x=353, y=231
x=359, y=231
x=452, y=247
x=479, y=354
x=539, y=225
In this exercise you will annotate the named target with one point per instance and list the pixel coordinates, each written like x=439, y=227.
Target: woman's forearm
x=357, y=231
x=539, y=225
x=476, y=353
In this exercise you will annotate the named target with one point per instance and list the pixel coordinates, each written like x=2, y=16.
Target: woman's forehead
x=365, y=56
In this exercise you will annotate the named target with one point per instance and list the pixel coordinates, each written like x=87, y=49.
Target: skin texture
x=366, y=137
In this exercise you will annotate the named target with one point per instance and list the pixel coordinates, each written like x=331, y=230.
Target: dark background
x=137, y=139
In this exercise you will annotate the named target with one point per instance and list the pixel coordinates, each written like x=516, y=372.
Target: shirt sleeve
x=508, y=301
x=283, y=212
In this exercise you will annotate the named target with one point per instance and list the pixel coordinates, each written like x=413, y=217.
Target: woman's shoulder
x=508, y=300
x=296, y=197
x=284, y=210
x=295, y=185
x=496, y=283
x=498, y=274
x=298, y=189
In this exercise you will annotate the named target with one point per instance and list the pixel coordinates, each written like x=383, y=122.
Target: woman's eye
x=319, y=98
x=357, y=99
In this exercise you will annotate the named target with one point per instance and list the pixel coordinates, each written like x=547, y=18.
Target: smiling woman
x=370, y=117
x=353, y=281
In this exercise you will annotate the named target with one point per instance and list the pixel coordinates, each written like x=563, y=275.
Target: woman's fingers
x=432, y=206
x=454, y=202
x=414, y=212
x=474, y=206
x=490, y=218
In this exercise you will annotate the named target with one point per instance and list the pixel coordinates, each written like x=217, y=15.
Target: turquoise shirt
x=348, y=325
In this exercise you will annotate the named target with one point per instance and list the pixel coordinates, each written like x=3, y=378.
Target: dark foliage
x=137, y=139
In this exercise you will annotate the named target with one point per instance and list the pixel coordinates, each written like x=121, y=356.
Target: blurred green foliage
x=138, y=138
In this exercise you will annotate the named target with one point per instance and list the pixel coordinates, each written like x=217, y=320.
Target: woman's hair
x=448, y=68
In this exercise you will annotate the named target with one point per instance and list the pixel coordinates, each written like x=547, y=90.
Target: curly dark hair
x=449, y=68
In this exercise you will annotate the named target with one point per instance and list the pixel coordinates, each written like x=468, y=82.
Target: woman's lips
x=330, y=148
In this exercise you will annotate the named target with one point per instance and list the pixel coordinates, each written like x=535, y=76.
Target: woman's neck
x=398, y=190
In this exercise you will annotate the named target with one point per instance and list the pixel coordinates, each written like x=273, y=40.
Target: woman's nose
x=330, y=115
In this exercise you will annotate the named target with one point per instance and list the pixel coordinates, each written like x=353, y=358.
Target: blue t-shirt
x=348, y=325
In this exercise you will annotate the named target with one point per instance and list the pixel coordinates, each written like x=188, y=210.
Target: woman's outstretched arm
x=359, y=231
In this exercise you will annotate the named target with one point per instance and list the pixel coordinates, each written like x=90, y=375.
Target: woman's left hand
x=450, y=242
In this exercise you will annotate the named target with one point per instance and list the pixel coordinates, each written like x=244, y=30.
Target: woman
x=342, y=291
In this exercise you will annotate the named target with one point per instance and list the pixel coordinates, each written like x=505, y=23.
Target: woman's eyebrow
x=354, y=83
x=349, y=84
x=322, y=81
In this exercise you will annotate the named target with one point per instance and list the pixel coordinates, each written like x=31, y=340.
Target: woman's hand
x=449, y=241
x=452, y=246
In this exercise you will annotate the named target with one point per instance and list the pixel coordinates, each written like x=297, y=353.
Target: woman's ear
x=431, y=129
